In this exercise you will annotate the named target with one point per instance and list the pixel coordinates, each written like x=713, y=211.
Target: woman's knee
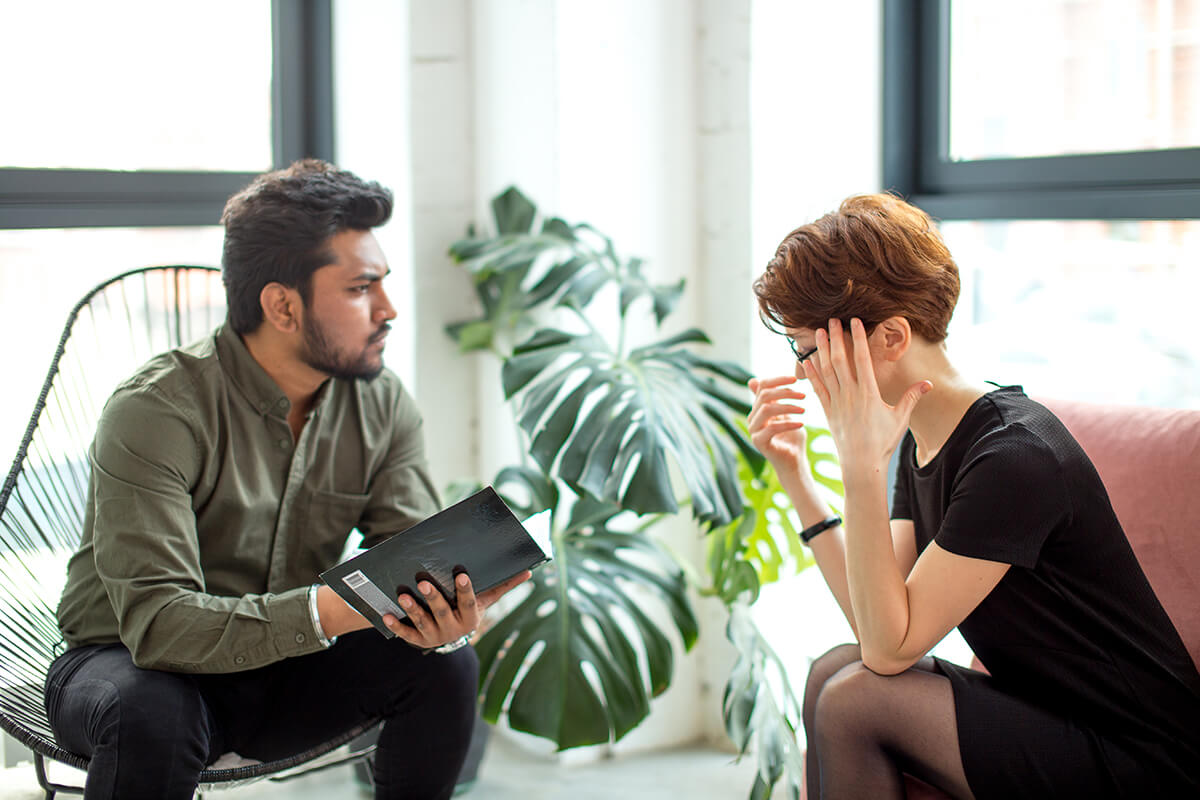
x=824, y=668
x=851, y=698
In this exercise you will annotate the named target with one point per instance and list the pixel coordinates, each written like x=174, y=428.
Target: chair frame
x=43, y=748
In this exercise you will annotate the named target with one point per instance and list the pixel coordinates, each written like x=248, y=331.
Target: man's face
x=346, y=319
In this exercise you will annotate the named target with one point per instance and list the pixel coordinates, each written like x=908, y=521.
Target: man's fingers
x=485, y=599
x=442, y=612
x=406, y=632
x=465, y=602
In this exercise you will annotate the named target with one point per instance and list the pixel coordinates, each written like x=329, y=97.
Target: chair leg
x=51, y=789
x=39, y=767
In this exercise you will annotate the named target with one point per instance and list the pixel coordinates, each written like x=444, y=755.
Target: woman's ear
x=892, y=338
x=280, y=306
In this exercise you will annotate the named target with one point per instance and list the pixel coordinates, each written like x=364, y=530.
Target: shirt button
x=239, y=660
x=283, y=443
x=299, y=638
x=283, y=403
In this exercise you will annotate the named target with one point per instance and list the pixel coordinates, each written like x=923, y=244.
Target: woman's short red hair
x=875, y=257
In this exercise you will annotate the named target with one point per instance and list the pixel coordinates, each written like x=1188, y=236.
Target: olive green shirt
x=206, y=524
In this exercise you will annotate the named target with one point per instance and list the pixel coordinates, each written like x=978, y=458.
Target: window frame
x=1148, y=184
x=302, y=124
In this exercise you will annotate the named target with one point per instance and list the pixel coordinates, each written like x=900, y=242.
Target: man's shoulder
x=179, y=376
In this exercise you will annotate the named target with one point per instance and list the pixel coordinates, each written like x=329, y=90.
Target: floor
x=510, y=772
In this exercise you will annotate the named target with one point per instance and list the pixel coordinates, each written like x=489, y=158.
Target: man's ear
x=892, y=337
x=281, y=307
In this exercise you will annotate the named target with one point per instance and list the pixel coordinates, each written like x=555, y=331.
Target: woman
x=999, y=526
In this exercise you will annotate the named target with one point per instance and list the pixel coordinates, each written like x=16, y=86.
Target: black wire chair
x=115, y=328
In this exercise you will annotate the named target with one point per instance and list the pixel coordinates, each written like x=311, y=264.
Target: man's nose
x=384, y=310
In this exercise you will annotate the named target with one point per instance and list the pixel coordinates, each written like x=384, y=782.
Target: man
x=228, y=474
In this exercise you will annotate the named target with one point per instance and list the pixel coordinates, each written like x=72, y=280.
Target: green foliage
x=583, y=615
x=759, y=705
x=604, y=426
x=753, y=711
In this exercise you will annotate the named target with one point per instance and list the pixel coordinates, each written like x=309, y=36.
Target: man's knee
x=162, y=711
x=455, y=676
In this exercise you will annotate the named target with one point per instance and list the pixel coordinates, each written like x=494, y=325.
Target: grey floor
x=509, y=772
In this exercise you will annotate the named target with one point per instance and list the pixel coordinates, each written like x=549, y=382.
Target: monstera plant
x=615, y=435
x=760, y=707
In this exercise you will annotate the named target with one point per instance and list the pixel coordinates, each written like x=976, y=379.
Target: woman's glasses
x=801, y=355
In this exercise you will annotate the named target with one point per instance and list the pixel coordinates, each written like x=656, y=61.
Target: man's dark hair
x=278, y=229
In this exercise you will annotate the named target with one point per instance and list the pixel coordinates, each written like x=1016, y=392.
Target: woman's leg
x=824, y=668
x=870, y=729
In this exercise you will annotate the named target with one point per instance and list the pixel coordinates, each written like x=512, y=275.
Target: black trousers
x=150, y=733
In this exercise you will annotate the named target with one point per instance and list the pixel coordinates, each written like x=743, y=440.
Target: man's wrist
x=315, y=612
x=450, y=647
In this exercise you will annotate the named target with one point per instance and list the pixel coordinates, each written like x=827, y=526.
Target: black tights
x=865, y=730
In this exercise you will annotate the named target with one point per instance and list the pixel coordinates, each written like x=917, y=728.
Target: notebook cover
x=478, y=535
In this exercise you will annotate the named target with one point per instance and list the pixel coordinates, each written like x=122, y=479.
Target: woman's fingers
x=864, y=369
x=824, y=359
x=816, y=378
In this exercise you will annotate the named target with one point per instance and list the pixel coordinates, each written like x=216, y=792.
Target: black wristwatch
x=811, y=531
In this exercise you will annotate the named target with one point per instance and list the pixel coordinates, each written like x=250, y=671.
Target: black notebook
x=479, y=536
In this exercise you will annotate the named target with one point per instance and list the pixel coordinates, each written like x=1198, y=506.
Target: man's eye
x=366, y=287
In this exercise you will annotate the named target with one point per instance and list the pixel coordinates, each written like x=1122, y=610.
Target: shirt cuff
x=316, y=618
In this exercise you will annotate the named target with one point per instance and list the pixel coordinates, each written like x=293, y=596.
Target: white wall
x=694, y=132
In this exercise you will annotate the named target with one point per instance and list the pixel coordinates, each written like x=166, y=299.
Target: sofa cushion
x=1149, y=460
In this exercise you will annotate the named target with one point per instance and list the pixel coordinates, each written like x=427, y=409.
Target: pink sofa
x=1149, y=460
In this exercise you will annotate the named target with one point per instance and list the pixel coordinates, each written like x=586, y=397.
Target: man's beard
x=321, y=354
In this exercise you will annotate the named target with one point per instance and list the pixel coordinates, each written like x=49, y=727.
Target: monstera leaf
x=526, y=266
x=759, y=704
x=610, y=431
x=564, y=663
x=661, y=404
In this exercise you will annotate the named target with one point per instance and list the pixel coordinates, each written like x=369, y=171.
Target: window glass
x=1084, y=310
x=1053, y=77
x=46, y=272
x=136, y=85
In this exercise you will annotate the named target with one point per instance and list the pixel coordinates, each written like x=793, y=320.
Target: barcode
x=356, y=580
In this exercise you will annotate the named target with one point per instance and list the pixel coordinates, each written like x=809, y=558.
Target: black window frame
x=302, y=124
x=1149, y=184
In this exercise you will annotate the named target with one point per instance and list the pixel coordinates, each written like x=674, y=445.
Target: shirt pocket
x=331, y=517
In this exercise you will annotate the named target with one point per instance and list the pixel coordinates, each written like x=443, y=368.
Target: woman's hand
x=865, y=428
x=776, y=427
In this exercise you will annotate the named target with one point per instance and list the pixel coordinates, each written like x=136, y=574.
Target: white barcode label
x=372, y=595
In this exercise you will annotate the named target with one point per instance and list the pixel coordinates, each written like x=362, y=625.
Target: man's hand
x=445, y=624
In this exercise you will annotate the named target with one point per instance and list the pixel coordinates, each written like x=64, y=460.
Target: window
x=1058, y=141
x=146, y=113
x=1044, y=109
x=137, y=119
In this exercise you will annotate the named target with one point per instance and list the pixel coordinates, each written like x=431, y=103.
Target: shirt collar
x=248, y=375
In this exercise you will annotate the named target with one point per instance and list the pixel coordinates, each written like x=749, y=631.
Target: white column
x=443, y=135
x=725, y=269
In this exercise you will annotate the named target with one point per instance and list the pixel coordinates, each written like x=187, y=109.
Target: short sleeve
x=1008, y=497
x=902, y=488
